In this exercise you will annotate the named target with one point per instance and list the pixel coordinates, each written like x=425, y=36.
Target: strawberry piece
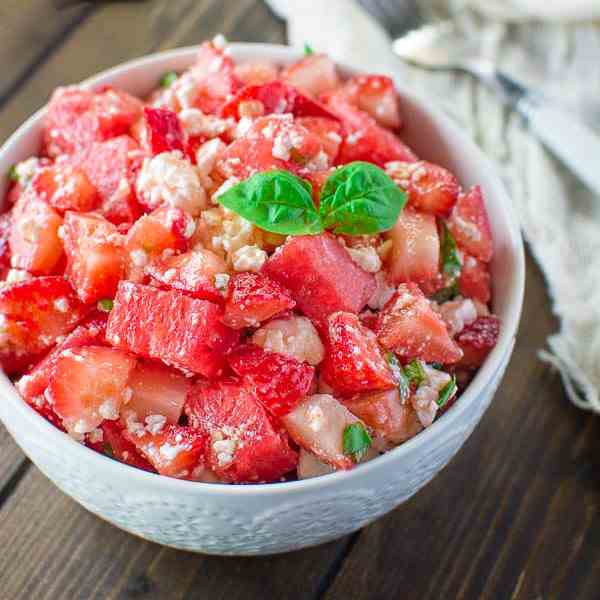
x=183, y=332
x=278, y=381
x=112, y=168
x=121, y=448
x=34, y=242
x=65, y=187
x=377, y=96
x=317, y=424
x=475, y=280
x=477, y=340
x=409, y=327
x=157, y=390
x=175, y=451
x=320, y=275
x=276, y=98
x=35, y=312
x=327, y=130
x=95, y=257
x=89, y=385
x=314, y=74
x=386, y=415
x=5, y=229
x=193, y=273
x=253, y=298
x=470, y=226
x=244, y=447
x=353, y=361
x=15, y=190
x=415, y=253
x=89, y=333
x=256, y=73
x=76, y=118
x=163, y=130
x=365, y=139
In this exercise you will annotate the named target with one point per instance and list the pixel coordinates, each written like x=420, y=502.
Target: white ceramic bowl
x=263, y=519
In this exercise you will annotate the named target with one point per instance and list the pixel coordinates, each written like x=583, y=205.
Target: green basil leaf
x=415, y=372
x=275, y=201
x=105, y=305
x=448, y=293
x=360, y=198
x=356, y=441
x=168, y=79
x=308, y=50
x=451, y=264
x=13, y=175
x=399, y=375
x=447, y=392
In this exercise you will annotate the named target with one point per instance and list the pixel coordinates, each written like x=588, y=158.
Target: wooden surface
x=514, y=515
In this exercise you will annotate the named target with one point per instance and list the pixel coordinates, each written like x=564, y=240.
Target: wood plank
x=30, y=30
x=12, y=461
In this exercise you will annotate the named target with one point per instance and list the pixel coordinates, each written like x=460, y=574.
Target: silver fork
x=428, y=46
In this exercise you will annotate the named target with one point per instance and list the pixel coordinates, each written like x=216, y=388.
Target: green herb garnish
x=447, y=392
x=448, y=293
x=451, y=264
x=168, y=79
x=13, y=175
x=402, y=380
x=108, y=450
x=415, y=372
x=356, y=441
x=308, y=50
x=105, y=305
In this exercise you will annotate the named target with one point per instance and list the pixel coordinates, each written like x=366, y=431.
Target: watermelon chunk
x=121, y=448
x=475, y=279
x=314, y=74
x=163, y=130
x=477, y=340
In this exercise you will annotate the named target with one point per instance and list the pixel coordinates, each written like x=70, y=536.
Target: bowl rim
x=444, y=425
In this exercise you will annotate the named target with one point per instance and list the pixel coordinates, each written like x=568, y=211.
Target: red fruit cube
x=477, y=340
x=183, y=332
x=255, y=73
x=320, y=275
x=5, y=229
x=193, y=272
x=95, y=256
x=253, y=298
x=470, y=226
x=175, y=451
x=475, y=280
x=89, y=385
x=353, y=360
x=244, y=445
x=35, y=314
x=65, y=188
x=415, y=253
x=314, y=74
x=157, y=390
x=76, y=118
x=329, y=132
x=317, y=424
x=386, y=415
x=121, y=448
x=163, y=130
x=410, y=327
x=35, y=245
x=112, y=168
x=278, y=381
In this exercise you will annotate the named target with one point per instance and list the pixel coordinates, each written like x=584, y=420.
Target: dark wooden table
x=514, y=515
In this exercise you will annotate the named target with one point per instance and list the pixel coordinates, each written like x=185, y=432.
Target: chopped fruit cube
x=329, y=132
x=34, y=242
x=89, y=385
x=253, y=298
x=409, y=326
x=175, y=451
x=415, y=253
x=183, y=332
x=193, y=272
x=163, y=130
x=317, y=424
x=320, y=275
x=383, y=412
x=76, y=118
x=278, y=381
x=477, y=340
x=475, y=280
x=470, y=226
x=65, y=188
x=157, y=390
x=276, y=98
x=34, y=314
x=95, y=256
x=121, y=448
x=377, y=96
x=256, y=73
x=112, y=168
x=5, y=228
x=314, y=74
x=244, y=446
x=353, y=360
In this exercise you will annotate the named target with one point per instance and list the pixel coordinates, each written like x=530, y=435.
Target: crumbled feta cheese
x=61, y=305
x=108, y=410
x=424, y=400
x=243, y=127
x=169, y=451
x=320, y=162
x=155, y=423
x=227, y=185
x=219, y=41
x=26, y=169
x=457, y=313
x=194, y=122
x=366, y=257
x=222, y=281
x=249, y=258
x=315, y=417
x=15, y=275
x=206, y=158
x=139, y=258
x=354, y=137
x=383, y=292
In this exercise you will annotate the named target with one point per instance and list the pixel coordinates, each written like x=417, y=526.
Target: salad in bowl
x=244, y=277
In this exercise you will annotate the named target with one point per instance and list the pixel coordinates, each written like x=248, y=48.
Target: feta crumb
x=108, y=410
x=219, y=41
x=61, y=305
x=222, y=282
x=383, y=292
x=249, y=258
x=155, y=423
x=366, y=257
x=354, y=137
x=424, y=400
x=169, y=451
x=457, y=314
x=139, y=258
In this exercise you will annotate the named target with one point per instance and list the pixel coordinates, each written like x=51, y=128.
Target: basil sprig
x=400, y=377
x=307, y=49
x=13, y=174
x=415, y=372
x=447, y=392
x=451, y=264
x=357, y=199
x=356, y=441
x=168, y=79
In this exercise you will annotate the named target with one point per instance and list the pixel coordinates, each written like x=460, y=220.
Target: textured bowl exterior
x=265, y=519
